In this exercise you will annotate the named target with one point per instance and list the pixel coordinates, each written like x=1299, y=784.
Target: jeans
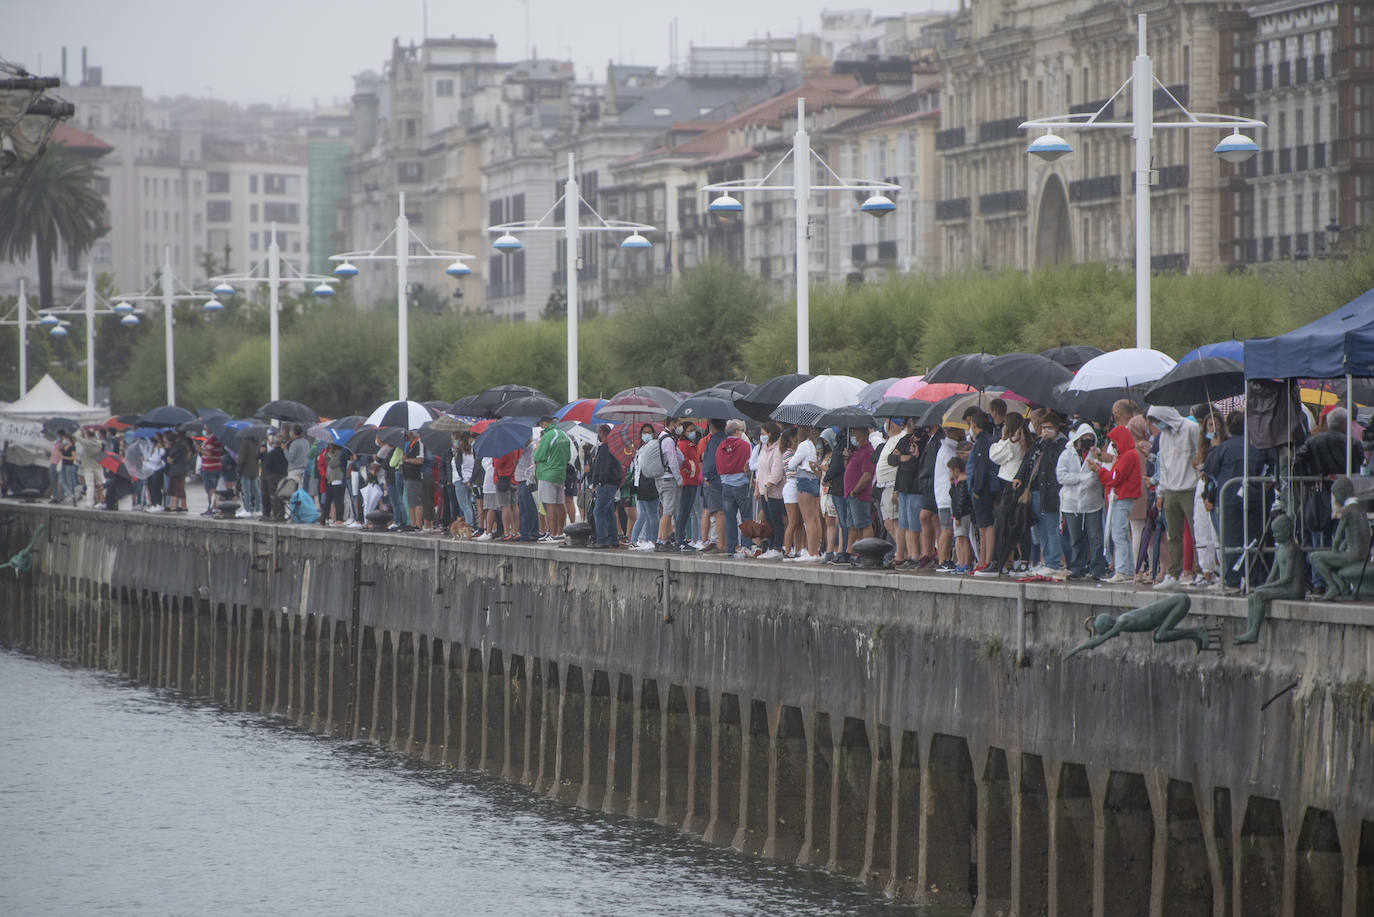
x=841, y=518
x=686, y=503
x=1123, y=558
x=398, y=503
x=69, y=482
x=603, y=514
x=464, y=494
x=1047, y=527
x=529, y=511
x=738, y=507
x=252, y=493
x=777, y=518
x=646, y=523
x=1085, y=540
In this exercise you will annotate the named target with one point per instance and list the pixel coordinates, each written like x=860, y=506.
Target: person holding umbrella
x=412, y=463
x=607, y=475
x=551, y=458
x=178, y=463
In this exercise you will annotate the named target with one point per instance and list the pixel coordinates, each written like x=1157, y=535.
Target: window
x=252, y=241
x=252, y=213
x=195, y=222
x=217, y=211
x=252, y=184
x=443, y=88
x=411, y=128
x=195, y=187
x=275, y=212
x=409, y=172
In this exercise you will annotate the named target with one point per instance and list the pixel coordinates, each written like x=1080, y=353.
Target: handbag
x=503, y=483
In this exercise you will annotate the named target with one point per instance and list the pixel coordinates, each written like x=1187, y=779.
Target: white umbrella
x=1121, y=369
x=407, y=415
x=814, y=397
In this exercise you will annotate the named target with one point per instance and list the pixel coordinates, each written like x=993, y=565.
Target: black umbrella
x=351, y=422
x=484, y=404
x=707, y=407
x=902, y=407
x=528, y=406
x=739, y=388
x=1029, y=375
x=55, y=425
x=192, y=426
x=438, y=407
x=463, y=407
x=233, y=437
x=169, y=415
x=392, y=436
x=853, y=416
x=363, y=442
x=1203, y=379
x=1095, y=405
x=1072, y=355
x=437, y=441
x=656, y=393
x=935, y=413
x=764, y=398
x=968, y=368
x=288, y=411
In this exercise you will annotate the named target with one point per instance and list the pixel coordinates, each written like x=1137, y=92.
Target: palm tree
x=52, y=199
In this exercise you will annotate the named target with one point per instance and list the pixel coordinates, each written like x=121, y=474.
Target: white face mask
x=646, y=436
x=853, y=440
x=763, y=439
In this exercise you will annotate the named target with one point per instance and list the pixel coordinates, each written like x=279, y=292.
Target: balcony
x=956, y=208
x=1176, y=263
x=950, y=139
x=1173, y=177
x=858, y=253
x=1319, y=155
x=1285, y=160
x=887, y=251
x=1000, y=202
x=1300, y=163
x=1162, y=100
x=1000, y=130
x=1267, y=164
x=1103, y=187
x=1088, y=108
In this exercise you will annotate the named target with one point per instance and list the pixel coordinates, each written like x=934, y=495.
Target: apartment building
x=250, y=191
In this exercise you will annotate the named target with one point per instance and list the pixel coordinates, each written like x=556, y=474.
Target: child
x=961, y=508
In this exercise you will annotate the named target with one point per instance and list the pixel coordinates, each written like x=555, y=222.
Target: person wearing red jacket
x=1121, y=477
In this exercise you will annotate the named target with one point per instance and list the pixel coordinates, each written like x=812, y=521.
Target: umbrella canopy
x=55, y=425
x=1121, y=369
x=449, y=424
x=463, y=407
x=633, y=409
x=1095, y=405
x=872, y=393
x=903, y=407
x=938, y=391
x=817, y=395
x=1200, y=379
x=436, y=440
x=351, y=422
x=904, y=387
x=954, y=410
x=765, y=397
x=484, y=404
x=438, y=407
x=169, y=415
x=846, y=417
x=363, y=441
x=583, y=410
x=624, y=440
x=706, y=407
x=1030, y=374
x=287, y=411
x=1072, y=356
x=324, y=433
x=408, y=415
x=527, y=406
x=114, y=463
x=503, y=437
x=579, y=433
x=655, y=393
x=736, y=386
x=1230, y=350
x=968, y=368
x=233, y=433
x=392, y=436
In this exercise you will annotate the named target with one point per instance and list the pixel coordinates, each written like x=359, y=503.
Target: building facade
x=251, y=192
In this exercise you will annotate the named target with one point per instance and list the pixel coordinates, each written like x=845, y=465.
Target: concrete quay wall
x=890, y=727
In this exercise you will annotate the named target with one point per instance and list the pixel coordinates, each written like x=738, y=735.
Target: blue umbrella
x=1229, y=350
x=503, y=437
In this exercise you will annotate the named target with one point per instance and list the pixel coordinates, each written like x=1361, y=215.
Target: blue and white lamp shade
x=47, y=320
x=123, y=308
x=129, y=319
x=725, y=204
x=323, y=289
x=507, y=243
x=58, y=331
x=878, y=205
x=345, y=269
x=636, y=242
x=1049, y=147
x=213, y=305
x=223, y=289
x=457, y=269
x=1236, y=148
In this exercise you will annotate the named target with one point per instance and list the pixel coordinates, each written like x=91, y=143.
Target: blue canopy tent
x=1338, y=344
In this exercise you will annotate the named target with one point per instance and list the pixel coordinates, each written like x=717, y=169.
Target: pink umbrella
x=938, y=391
x=903, y=388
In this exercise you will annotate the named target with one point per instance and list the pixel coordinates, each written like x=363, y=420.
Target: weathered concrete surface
x=887, y=712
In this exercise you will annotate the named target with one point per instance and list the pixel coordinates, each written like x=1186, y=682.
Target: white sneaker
x=642, y=546
x=1169, y=582
x=243, y=514
x=1185, y=581
x=1119, y=578
x=698, y=545
x=770, y=554
x=802, y=557
x=485, y=536
x=155, y=509
x=355, y=524
x=743, y=554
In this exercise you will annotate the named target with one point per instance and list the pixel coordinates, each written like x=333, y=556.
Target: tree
x=52, y=201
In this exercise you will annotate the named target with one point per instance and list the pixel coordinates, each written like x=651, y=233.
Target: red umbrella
x=632, y=409
x=115, y=423
x=938, y=391
x=582, y=410
x=624, y=441
x=481, y=425
x=113, y=462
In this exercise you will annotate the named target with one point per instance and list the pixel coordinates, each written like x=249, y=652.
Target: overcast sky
x=302, y=51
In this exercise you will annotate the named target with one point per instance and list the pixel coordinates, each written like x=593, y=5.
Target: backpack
x=651, y=459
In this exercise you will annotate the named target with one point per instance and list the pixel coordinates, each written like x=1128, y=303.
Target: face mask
x=677, y=431
x=646, y=436
x=1211, y=436
x=692, y=436
x=853, y=440
x=763, y=439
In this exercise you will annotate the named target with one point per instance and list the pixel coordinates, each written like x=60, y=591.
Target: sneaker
x=642, y=546
x=662, y=547
x=1187, y=580
x=770, y=554
x=1169, y=582
x=485, y=536
x=798, y=558
x=839, y=560
x=1020, y=567
x=742, y=554
x=355, y=524
x=155, y=509
x=697, y=545
x=962, y=570
x=1119, y=578
x=986, y=571
x=948, y=566
x=710, y=549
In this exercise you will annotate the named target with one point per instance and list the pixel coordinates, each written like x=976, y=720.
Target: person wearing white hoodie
x=948, y=449
x=1080, y=505
x=1178, y=437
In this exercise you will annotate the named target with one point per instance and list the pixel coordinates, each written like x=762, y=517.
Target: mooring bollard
x=579, y=533
x=871, y=552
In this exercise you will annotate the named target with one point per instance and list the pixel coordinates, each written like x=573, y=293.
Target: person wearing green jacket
x=551, y=459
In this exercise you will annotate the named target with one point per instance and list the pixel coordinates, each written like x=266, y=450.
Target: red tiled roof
x=78, y=139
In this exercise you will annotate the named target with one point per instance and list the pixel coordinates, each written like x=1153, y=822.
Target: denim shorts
x=946, y=518
x=713, y=496
x=859, y=513
x=909, y=511
x=810, y=486
x=210, y=479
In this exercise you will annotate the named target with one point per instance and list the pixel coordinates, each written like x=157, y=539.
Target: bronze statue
x=23, y=561
x=1349, y=546
x=1159, y=617
x=1287, y=579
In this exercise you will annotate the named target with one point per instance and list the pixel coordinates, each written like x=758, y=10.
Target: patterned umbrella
x=583, y=410
x=408, y=415
x=633, y=409
x=624, y=440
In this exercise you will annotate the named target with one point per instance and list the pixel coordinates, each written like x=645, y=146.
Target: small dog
x=752, y=529
x=460, y=529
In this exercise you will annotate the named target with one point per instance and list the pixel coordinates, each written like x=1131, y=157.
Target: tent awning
x=1338, y=344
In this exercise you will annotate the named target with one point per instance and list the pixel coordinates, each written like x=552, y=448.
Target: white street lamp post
x=273, y=263
x=1235, y=148
x=877, y=204
x=87, y=306
x=402, y=258
x=572, y=198
x=168, y=296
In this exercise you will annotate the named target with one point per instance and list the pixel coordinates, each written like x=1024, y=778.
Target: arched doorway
x=1053, y=236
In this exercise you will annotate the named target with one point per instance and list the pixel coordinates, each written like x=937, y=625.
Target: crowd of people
x=1142, y=500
